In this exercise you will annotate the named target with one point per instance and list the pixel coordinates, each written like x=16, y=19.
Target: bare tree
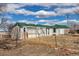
x=5, y=23
x=4, y=20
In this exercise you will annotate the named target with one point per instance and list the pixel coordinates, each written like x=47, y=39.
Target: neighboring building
x=74, y=29
x=25, y=31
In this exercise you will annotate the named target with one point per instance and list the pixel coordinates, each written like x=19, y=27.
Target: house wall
x=15, y=33
x=36, y=32
x=33, y=32
x=51, y=31
x=59, y=31
x=29, y=32
x=62, y=31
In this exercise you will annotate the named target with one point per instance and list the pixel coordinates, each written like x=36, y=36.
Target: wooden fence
x=4, y=35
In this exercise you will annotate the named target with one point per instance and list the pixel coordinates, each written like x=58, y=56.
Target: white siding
x=50, y=31
x=61, y=31
x=58, y=31
x=37, y=31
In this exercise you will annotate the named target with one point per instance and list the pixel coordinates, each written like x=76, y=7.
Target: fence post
x=56, y=45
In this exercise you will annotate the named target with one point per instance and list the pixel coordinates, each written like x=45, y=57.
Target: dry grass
x=66, y=45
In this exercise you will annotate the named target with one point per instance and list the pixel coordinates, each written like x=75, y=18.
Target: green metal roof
x=38, y=25
x=60, y=26
x=35, y=25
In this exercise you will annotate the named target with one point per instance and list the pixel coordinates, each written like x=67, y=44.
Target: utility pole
x=67, y=16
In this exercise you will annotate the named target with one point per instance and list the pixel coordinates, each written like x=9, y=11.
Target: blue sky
x=43, y=13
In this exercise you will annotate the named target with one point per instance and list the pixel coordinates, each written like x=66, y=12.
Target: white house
x=24, y=31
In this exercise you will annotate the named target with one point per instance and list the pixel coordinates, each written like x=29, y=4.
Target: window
x=48, y=30
x=24, y=30
x=54, y=30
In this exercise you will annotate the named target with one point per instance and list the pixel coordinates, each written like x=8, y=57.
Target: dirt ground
x=63, y=45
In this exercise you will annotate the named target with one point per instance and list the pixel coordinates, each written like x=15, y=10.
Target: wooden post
x=27, y=34
x=55, y=41
x=24, y=33
x=17, y=35
x=56, y=45
x=16, y=39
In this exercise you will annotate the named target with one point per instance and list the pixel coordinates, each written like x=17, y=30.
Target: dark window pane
x=24, y=29
x=54, y=30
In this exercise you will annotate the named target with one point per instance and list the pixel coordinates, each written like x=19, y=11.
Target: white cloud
x=46, y=24
x=2, y=7
x=22, y=21
x=43, y=13
x=39, y=14
x=58, y=11
x=42, y=20
x=61, y=11
x=8, y=19
x=68, y=22
x=23, y=11
x=12, y=7
x=61, y=22
x=51, y=22
x=27, y=21
x=55, y=4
